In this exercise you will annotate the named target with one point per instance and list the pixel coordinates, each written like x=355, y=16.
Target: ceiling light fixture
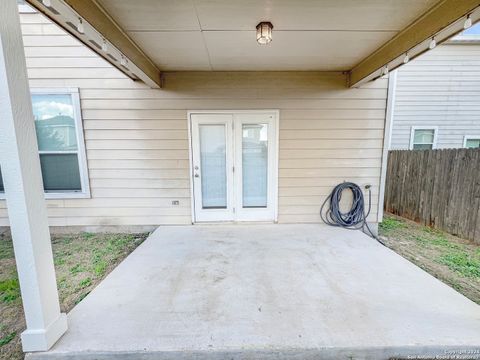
x=385, y=70
x=432, y=44
x=264, y=32
x=406, y=59
x=468, y=22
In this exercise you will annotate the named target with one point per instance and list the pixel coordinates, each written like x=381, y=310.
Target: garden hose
x=353, y=219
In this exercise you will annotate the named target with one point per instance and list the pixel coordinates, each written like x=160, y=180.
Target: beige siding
x=137, y=140
x=441, y=88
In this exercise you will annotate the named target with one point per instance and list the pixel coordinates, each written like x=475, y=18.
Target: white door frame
x=273, y=171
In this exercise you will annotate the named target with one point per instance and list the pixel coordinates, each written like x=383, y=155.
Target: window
x=422, y=138
x=471, y=142
x=61, y=148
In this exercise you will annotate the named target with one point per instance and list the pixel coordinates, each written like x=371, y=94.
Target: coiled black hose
x=353, y=219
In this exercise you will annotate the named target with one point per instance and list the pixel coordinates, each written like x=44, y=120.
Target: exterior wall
x=441, y=88
x=137, y=138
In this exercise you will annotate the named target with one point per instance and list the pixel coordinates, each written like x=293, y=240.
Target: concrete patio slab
x=267, y=292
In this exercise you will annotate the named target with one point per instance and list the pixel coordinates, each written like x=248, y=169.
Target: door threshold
x=234, y=222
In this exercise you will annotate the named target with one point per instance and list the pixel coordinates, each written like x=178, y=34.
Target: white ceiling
x=324, y=35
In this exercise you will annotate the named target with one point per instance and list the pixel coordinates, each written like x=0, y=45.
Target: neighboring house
x=437, y=97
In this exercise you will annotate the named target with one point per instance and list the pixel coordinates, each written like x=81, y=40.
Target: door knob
x=196, y=175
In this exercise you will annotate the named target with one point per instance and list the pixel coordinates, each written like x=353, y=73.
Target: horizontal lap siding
x=137, y=138
x=441, y=88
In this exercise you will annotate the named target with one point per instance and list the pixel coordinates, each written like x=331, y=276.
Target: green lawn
x=81, y=262
x=453, y=260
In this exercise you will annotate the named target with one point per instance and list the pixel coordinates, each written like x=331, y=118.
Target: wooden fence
x=439, y=188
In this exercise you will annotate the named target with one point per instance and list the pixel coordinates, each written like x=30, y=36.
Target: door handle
x=196, y=175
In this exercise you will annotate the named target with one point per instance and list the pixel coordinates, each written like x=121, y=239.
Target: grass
x=7, y=338
x=81, y=262
x=453, y=260
x=462, y=263
x=390, y=223
x=9, y=290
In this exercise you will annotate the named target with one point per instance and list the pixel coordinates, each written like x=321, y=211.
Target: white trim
x=218, y=214
x=190, y=167
x=81, y=152
x=275, y=153
x=276, y=164
x=387, y=138
x=470, y=137
x=435, y=134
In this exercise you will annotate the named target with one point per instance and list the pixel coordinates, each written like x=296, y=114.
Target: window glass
x=60, y=172
x=422, y=146
x=424, y=136
x=213, y=166
x=423, y=139
x=472, y=143
x=255, y=165
x=54, y=122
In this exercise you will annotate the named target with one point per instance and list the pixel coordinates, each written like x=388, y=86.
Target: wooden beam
x=439, y=17
x=94, y=14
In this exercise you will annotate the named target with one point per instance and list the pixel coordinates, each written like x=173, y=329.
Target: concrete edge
x=347, y=353
x=130, y=229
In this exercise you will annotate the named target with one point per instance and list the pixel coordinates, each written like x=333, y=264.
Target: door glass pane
x=54, y=122
x=60, y=172
x=255, y=164
x=213, y=166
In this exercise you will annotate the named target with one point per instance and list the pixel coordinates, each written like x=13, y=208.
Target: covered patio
x=267, y=292
x=245, y=291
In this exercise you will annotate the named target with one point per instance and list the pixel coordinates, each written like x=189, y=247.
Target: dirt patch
x=451, y=259
x=81, y=262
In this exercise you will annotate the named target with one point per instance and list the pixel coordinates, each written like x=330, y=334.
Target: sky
x=473, y=30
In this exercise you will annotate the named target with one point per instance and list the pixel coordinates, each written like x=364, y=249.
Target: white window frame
x=435, y=133
x=81, y=152
x=469, y=137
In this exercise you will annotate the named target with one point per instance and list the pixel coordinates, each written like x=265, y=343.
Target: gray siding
x=441, y=88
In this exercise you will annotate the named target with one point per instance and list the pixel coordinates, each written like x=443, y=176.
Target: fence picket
x=439, y=188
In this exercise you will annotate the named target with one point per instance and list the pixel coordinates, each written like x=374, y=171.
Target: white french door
x=234, y=165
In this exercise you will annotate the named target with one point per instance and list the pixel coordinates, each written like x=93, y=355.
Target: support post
x=22, y=179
